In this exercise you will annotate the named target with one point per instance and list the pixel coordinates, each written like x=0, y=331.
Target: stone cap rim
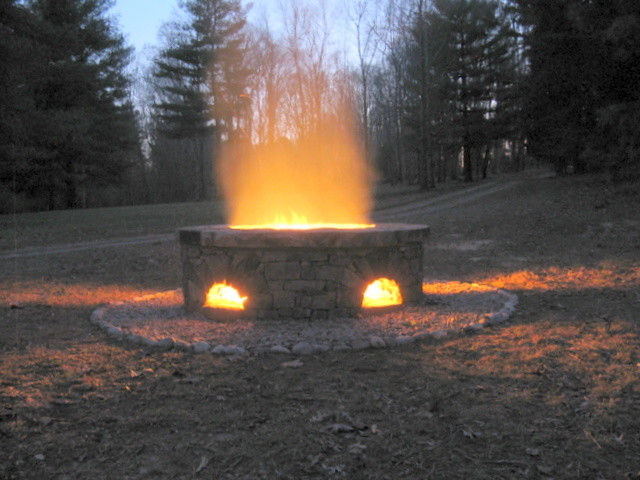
x=383, y=234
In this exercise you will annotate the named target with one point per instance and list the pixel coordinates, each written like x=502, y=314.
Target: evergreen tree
x=560, y=98
x=423, y=49
x=19, y=35
x=83, y=128
x=615, y=30
x=454, y=71
x=475, y=77
x=459, y=79
x=201, y=80
x=582, y=96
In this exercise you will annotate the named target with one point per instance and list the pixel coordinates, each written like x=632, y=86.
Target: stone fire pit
x=300, y=274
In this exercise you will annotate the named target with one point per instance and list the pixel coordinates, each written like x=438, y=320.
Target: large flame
x=222, y=295
x=293, y=221
x=320, y=180
x=298, y=162
x=382, y=292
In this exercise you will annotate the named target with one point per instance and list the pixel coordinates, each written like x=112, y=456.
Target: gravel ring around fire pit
x=160, y=321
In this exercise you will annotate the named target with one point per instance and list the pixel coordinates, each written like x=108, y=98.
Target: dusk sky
x=140, y=20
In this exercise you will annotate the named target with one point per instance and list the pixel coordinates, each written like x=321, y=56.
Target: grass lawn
x=73, y=226
x=70, y=226
x=553, y=393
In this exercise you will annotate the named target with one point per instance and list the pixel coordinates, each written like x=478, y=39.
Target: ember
x=382, y=292
x=221, y=295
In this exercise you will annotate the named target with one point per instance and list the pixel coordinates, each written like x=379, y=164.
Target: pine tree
x=81, y=127
x=615, y=143
x=560, y=101
x=19, y=34
x=423, y=48
x=459, y=79
x=201, y=80
x=582, y=100
x=472, y=71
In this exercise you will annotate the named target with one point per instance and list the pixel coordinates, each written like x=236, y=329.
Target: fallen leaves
x=590, y=436
x=534, y=452
x=507, y=377
x=204, y=461
x=341, y=422
x=140, y=373
x=340, y=428
x=292, y=364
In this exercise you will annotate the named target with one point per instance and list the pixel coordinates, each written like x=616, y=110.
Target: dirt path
x=76, y=247
x=441, y=202
x=444, y=202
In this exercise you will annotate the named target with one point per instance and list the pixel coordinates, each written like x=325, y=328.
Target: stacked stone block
x=314, y=274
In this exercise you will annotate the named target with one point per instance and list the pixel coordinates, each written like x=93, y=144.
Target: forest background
x=444, y=90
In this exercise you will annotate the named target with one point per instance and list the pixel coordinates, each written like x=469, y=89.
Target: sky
x=140, y=20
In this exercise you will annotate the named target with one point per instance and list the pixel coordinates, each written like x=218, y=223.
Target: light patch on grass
x=52, y=293
x=556, y=278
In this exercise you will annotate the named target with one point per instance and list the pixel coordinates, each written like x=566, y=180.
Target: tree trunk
x=467, y=166
x=51, y=198
x=485, y=161
x=195, y=146
x=423, y=146
x=71, y=189
x=466, y=136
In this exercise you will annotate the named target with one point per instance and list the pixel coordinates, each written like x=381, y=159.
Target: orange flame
x=299, y=222
x=382, y=292
x=314, y=176
x=302, y=184
x=222, y=295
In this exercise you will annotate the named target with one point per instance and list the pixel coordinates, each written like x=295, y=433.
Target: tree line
x=445, y=90
x=66, y=122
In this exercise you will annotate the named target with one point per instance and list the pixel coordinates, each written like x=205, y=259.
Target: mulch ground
x=553, y=393
x=446, y=308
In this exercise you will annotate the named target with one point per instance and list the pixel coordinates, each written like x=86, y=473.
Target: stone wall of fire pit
x=301, y=274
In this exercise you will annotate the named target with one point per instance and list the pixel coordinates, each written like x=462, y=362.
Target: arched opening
x=382, y=292
x=225, y=296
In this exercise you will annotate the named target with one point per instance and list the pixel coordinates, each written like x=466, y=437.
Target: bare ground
x=554, y=393
x=446, y=307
